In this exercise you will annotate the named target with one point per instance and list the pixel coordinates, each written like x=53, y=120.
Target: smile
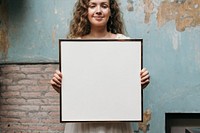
x=98, y=18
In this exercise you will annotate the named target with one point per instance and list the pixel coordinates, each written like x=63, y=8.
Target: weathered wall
x=30, y=30
x=27, y=101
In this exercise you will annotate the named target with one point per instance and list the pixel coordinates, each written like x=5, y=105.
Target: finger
x=147, y=77
x=53, y=83
x=144, y=72
x=59, y=73
x=145, y=82
x=56, y=88
x=56, y=81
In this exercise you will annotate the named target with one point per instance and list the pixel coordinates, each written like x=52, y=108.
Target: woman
x=97, y=19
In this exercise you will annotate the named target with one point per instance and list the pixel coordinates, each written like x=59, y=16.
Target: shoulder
x=121, y=36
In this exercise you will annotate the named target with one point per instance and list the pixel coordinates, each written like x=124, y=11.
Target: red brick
x=51, y=121
x=10, y=120
x=51, y=69
x=38, y=127
x=27, y=82
x=30, y=120
x=31, y=69
x=37, y=76
x=13, y=88
x=37, y=88
x=18, y=101
x=54, y=114
x=37, y=101
x=12, y=113
x=54, y=101
x=20, y=107
x=51, y=94
x=31, y=94
x=6, y=81
x=50, y=108
x=60, y=128
x=8, y=68
x=38, y=114
x=16, y=75
x=44, y=82
x=10, y=94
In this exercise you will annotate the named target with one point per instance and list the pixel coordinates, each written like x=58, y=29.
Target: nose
x=98, y=10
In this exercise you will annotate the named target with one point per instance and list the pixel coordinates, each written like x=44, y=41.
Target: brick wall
x=28, y=103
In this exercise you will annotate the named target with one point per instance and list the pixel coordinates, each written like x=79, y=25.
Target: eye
x=91, y=6
x=105, y=6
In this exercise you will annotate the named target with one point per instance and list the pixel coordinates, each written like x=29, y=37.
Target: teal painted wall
x=171, y=52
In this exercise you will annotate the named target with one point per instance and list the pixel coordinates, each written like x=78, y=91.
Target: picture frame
x=101, y=80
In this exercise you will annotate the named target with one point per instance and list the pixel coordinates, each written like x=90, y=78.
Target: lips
x=98, y=18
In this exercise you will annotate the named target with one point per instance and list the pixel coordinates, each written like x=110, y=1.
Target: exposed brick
x=10, y=120
x=37, y=76
x=56, y=128
x=31, y=69
x=52, y=121
x=20, y=107
x=30, y=120
x=27, y=82
x=8, y=68
x=10, y=94
x=44, y=81
x=38, y=127
x=28, y=103
x=37, y=101
x=16, y=75
x=13, y=88
x=12, y=113
x=38, y=114
x=50, y=108
x=18, y=101
x=6, y=81
x=52, y=94
x=54, y=114
x=37, y=88
x=31, y=94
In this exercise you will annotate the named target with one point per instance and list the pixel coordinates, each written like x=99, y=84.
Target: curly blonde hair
x=80, y=24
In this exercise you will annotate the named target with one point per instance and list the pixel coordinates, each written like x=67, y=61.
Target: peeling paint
x=145, y=124
x=186, y=13
x=4, y=44
x=176, y=39
x=130, y=5
x=148, y=9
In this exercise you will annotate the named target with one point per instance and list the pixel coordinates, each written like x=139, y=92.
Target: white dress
x=100, y=127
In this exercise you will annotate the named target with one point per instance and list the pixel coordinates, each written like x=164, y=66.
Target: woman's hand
x=56, y=81
x=145, y=77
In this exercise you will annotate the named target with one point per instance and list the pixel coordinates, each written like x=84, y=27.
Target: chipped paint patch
x=143, y=126
x=4, y=44
x=176, y=39
x=148, y=9
x=186, y=13
x=130, y=5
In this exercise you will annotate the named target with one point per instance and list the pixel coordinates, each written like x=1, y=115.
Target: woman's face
x=98, y=12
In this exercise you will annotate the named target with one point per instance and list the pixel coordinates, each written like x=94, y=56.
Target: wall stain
x=148, y=9
x=186, y=13
x=4, y=43
x=130, y=5
x=144, y=126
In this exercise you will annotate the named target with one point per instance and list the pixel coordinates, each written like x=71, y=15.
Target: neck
x=99, y=32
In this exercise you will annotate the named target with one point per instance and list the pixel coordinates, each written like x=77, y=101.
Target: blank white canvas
x=101, y=81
